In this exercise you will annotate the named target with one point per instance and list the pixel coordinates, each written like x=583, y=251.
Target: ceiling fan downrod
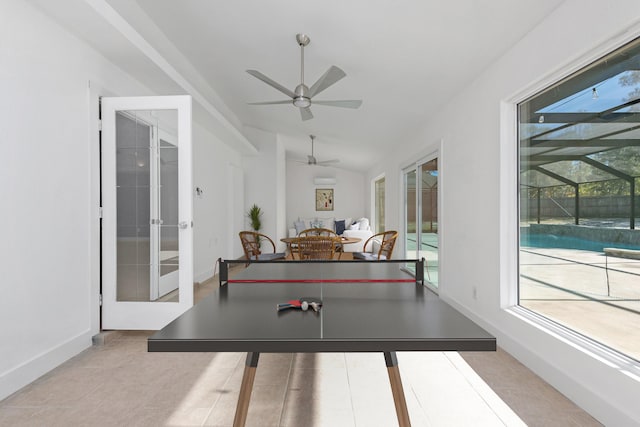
x=302, y=99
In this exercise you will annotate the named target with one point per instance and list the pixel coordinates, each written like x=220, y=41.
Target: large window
x=579, y=204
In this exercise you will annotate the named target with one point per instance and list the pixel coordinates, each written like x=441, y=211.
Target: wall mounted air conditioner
x=324, y=181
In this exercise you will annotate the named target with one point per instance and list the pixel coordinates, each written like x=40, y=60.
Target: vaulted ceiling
x=404, y=59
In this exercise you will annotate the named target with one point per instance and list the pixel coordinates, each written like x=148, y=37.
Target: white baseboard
x=205, y=275
x=29, y=371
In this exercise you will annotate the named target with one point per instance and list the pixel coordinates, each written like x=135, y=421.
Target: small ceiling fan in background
x=311, y=160
x=302, y=96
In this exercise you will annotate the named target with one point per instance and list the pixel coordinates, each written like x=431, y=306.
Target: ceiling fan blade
x=267, y=80
x=288, y=101
x=352, y=103
x=305, y=113
x=332, y=75
x=328, y=162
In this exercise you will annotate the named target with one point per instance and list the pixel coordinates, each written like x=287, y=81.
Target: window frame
x=509, y=209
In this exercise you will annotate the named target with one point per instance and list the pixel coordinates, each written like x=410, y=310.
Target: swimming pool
x=536, y=240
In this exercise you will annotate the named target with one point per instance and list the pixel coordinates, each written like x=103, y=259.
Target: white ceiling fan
x=302, y=96
x=311, y=160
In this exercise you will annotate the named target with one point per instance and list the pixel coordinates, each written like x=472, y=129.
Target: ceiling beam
x=555, y=176
x=608, y=169
x=596, y=164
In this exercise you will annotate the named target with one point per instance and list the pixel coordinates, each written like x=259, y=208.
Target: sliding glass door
x=421, y=215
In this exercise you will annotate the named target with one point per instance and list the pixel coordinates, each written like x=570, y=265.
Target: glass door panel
x=168, y=193
x=428, y=233
x=410, y=214
x=133, y=191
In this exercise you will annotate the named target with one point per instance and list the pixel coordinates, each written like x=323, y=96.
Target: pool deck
x=594, y=294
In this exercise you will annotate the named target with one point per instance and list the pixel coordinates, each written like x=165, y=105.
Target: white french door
x=147, y=229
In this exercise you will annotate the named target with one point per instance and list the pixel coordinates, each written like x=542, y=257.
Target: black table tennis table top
x=367, y=307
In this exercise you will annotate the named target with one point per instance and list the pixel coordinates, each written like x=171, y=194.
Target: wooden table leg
x=245, y=389
x=396, y=388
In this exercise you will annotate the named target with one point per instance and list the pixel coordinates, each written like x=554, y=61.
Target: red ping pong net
x=326, y=272
x=350, y=272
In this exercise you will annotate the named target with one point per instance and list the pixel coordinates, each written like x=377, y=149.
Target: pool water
x=567, y=242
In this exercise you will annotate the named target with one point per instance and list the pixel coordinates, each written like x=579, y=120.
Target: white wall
x=478, y=169
x=211, y=214
x=264, y=179
x=48, y=208
x=348, y=192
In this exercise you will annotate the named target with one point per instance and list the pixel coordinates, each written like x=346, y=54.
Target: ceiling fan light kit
x=302, y=96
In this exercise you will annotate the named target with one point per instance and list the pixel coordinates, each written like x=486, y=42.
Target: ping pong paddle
x=294, y=303
x=302, y=303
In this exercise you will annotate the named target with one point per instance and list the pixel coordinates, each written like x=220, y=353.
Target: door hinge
x=100, y=212
x=99, y=124
x=100, y=300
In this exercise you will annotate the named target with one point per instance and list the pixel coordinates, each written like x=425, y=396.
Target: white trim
x=441, y=215
x=509, y=205
x=95, y=91
x=583, y=343
x=93, y=139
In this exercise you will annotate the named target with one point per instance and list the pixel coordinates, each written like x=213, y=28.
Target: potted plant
x=255, y=216
x=255, y=219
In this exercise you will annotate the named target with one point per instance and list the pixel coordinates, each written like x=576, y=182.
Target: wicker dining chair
x=317, y=232
x=323, y=232
x=251, y=244
x=316, y=247
x=387, y=241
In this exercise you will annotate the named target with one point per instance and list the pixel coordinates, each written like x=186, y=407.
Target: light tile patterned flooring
x=120, y=384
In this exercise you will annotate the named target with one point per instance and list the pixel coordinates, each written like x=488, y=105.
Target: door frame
x=95, y=93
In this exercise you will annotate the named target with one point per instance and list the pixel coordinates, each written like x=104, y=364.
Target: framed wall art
x=324, y=199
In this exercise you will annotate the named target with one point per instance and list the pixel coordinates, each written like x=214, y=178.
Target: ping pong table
x=366, y=307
